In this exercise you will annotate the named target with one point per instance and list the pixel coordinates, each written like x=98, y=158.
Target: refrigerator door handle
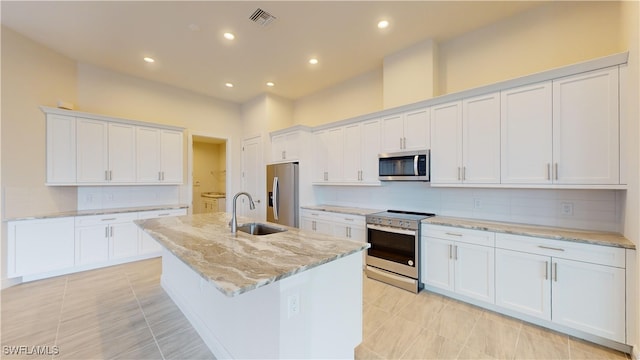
x=275, y=197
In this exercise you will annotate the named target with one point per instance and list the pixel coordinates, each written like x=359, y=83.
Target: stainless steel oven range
x=394, y=255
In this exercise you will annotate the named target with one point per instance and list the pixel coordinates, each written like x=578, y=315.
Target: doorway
x=209, y=190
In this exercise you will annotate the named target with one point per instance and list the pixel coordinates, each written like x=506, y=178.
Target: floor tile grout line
x=64, y=295
x=144, y=315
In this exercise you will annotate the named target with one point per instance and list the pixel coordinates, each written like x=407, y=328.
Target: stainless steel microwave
x=404, y=166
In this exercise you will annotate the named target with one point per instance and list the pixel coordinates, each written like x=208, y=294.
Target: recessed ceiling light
x=313, y=61
x=270, y=84
x=148, y=59
x=229, y=85
x=229, y=36
x=383, y=24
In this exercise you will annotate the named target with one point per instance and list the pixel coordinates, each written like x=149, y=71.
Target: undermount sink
x=259, y=229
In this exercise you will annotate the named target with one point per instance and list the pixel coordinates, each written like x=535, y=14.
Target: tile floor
x=121, y=312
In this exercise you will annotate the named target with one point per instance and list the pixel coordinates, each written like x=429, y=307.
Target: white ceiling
x=342, y=35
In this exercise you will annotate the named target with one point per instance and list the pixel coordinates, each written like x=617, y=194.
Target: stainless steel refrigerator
x=282, y=193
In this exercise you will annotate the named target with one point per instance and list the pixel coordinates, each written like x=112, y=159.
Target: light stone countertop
x=547, y=232
x=341, y=209
x=99, y=212
x=237, y=263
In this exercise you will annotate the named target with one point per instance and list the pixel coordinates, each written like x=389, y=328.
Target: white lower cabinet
x=102, y=238
x=459, y=260
x=580, y=286
x=39, y=246
x=352, y=227
x=316, y=221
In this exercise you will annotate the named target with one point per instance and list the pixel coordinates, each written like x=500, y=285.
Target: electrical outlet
x=477, y=203
x=293, y=305
x=566, y=208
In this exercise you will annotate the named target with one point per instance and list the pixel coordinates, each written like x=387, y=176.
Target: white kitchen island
x=292, y=294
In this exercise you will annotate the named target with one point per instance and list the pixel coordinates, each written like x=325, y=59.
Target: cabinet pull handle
x=167, y=214
x=550, y=248
x=556, y=168
x=346, y=231
x=453, y=234
x=459, y=178
x=110, y=175
x=450, y=250
x=109, y=219
x=546, y=270
x=401, y=143
x=555, y=272
x=106, y=175
x=548, y=171
x=111, y=231
x=106, y=232
x=464, y=173
x=455, y=253
x=163, y=176
x=159, y=175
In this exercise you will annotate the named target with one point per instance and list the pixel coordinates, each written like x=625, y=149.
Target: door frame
x=189, y=185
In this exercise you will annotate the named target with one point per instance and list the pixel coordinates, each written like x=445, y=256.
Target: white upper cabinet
x=328, y=155
x=481, y=139
x=286, y=147
x=446, y=143
x=361, y=149
x=526, y=121
x=353, y=142
x=159, y=154
x=61, y=149
x=586, y=128
x=406, y=131
x=86, y=149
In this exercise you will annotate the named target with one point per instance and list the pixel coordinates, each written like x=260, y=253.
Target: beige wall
x=554, y=35
x=209, y=166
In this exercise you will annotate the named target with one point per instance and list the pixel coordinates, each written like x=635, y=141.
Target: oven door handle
x=391, y=230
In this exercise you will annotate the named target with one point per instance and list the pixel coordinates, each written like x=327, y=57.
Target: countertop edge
x=341, y=209
x=545, y=232
x=98, y=212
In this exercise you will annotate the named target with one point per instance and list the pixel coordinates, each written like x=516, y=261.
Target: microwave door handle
x=415, y=165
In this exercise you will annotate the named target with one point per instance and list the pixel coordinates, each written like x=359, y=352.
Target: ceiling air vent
x=262, y=17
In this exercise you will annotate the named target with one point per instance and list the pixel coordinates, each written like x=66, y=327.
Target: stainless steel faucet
x=234, y=221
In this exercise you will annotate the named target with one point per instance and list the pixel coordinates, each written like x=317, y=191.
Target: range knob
x=389, y=222
x=410, y=262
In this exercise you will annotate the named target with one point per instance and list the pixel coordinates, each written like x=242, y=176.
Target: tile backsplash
x=580, y=209
x=108, y=197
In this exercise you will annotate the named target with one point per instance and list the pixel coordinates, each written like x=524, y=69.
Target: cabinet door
x=446, y=143
x=481, y=139
x=278, y=147
x=352, y=152
x=392, y=133
x=171, y=156
x=92, y=244
x=92, y=151
x=320, y=156
x=416, y=130
x=335, y=152
x=292, y=146
x=122, y=153
x=474, y=271
x=148, y=155
x=370, y=135
x=437, y=263
x=522, y=283
x=61, y=149
x=39, y=246
x=526, y=137
x=123, y=240
x=589, y=297
x=586, y=128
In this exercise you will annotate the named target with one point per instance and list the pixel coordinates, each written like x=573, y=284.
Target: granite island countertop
x=98, y=212
x=547, y=232
x=237, y=263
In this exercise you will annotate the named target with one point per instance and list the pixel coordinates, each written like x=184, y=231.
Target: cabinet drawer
x=317, y=214
x=479, y=237
x=347, y=219
x=597, y=254
x=161, y=213
x=92, y=220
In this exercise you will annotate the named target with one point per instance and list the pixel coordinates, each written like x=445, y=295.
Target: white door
x=416, y=130
x=253, y=179
x=474, y=271
x=92, y=151
x=122, y=153
x=526, y=136
x=392, y=133
x=352, y=152
x=61, y=149
x=148, y=155
x=523, y=283
x=481, y=139
x=370, y=135
x=438, y=266
x=446, y=143
x=123, y=240
x=171, y=156
x=586, y=128
x=589, y=297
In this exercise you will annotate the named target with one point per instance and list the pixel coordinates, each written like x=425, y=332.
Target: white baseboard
x=7, y=283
